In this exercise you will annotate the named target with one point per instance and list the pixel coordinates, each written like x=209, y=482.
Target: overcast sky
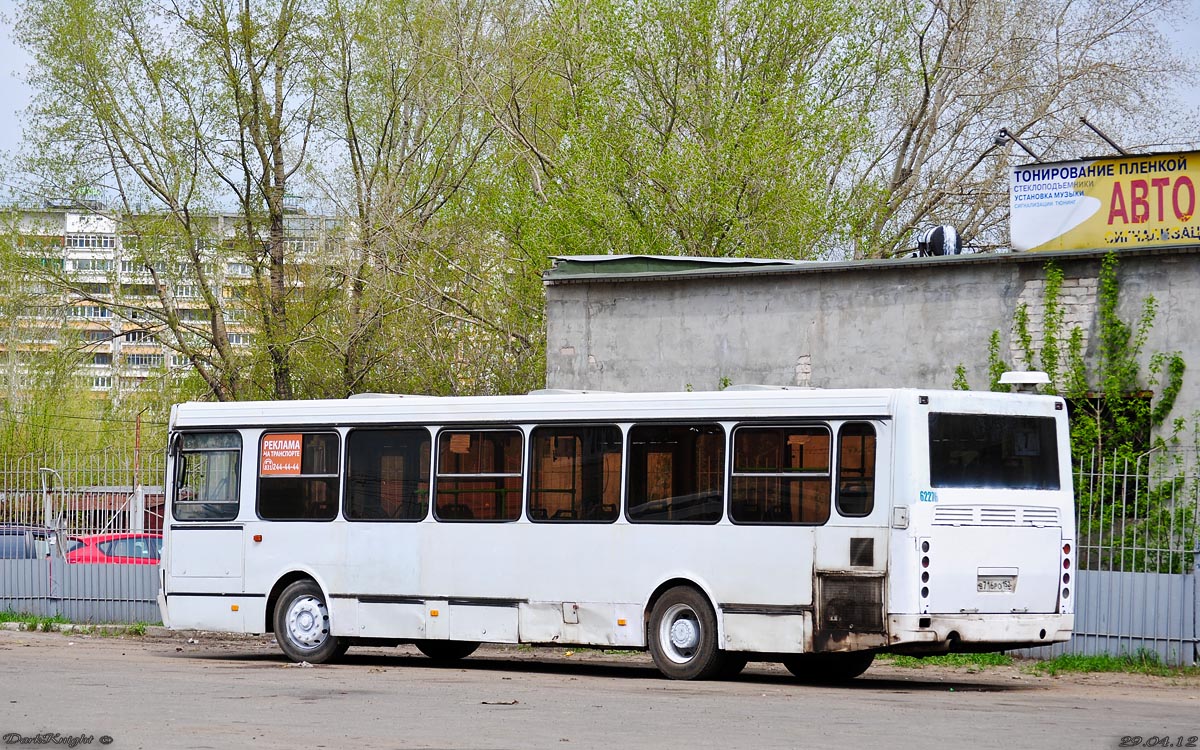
x=14, y=95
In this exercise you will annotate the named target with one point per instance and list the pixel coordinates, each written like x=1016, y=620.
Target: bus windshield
x=993, y=451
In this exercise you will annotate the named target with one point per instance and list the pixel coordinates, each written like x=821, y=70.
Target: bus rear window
x=993, y=451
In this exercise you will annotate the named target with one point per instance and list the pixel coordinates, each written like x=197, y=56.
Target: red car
x=129, y=548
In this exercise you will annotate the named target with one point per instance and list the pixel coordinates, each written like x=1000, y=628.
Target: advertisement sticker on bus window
x=460, y=442
x=280, y=456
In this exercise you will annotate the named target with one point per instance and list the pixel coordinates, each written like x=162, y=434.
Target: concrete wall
x=907, y=322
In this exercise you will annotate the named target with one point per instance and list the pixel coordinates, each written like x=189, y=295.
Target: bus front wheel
x=829, y=668
x=302, y=625
x=683, y=635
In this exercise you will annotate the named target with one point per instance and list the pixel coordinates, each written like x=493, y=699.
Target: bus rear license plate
x=1001, y=584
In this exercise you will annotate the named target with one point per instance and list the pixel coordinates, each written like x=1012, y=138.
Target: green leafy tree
x=695, y=127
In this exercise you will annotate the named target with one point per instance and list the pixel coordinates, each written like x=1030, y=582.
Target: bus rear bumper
x=944, y=633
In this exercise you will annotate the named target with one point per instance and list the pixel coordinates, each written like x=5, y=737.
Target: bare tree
x=976, y=66
x=169, y=108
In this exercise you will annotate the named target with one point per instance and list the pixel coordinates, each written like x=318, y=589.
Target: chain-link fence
x=1138, y=543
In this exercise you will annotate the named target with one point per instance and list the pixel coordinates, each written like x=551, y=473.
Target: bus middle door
x=850, y=571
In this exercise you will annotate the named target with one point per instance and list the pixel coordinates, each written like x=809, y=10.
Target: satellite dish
x=943, y=240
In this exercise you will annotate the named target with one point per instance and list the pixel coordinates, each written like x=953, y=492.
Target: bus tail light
x=1065, y=592
x=925, y=548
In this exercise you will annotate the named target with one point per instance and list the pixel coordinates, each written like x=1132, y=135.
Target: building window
x=143, y=360
x=91, y=241
x=89, y=311
x=92, y=264
x=139, y=290
x=139, y=336
x=101, y=358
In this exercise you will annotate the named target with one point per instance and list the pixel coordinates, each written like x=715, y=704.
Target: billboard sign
x=1117, y=203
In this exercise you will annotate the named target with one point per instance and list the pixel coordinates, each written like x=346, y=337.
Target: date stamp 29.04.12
x=1164, y=740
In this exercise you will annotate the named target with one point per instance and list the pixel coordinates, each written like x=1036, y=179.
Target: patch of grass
x=1142, y=661
x=976, y=661
x=27, y=621
x=30, y=622
x=620, y=652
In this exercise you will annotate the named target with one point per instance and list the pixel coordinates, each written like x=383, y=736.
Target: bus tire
x=302, y=625
x=447, y=650
x=829, y=669
x=683, y=635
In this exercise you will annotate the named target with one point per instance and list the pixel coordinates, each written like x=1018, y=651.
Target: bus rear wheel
x=447, y=650
x=829, y=669
x=302, y=625
x=683, y=635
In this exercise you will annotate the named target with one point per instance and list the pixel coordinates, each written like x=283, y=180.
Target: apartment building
x=98, y=297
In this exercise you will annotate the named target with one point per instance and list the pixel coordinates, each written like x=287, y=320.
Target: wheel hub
x=684, y=634
x=307, y=622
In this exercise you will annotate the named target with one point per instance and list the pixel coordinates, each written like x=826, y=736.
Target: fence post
x=1195, y=606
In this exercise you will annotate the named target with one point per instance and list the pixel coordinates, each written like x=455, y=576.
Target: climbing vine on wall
x=1112, y=411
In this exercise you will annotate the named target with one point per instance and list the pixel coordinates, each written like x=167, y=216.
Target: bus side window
x=479, y=475
x=676, y=473
x=387, y=474
x=206, y=481
x=576, y=473
x=856, y=469
x=780, y=475
x=298, y=476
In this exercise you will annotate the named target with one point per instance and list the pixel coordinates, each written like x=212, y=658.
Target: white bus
x=811, y=527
